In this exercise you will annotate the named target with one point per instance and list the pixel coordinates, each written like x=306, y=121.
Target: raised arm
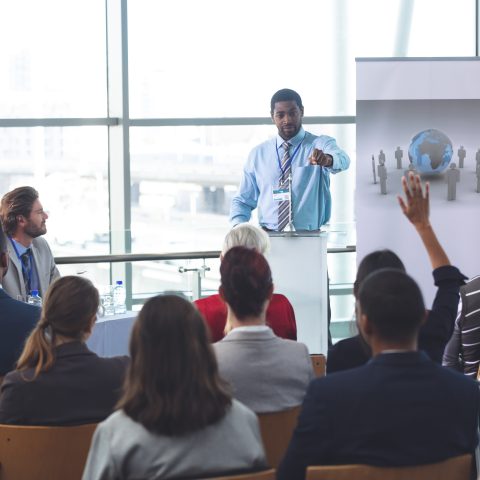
x=416, y=207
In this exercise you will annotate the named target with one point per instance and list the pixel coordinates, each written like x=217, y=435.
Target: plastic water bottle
x=34, y=298
x=119, y=297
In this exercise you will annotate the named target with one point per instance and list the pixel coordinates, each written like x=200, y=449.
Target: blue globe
x=430, y=151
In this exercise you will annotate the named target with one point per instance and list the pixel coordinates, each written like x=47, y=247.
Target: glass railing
x=196, y=275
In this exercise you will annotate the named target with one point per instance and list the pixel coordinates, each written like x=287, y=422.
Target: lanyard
x=289, y=161
x=28, y=272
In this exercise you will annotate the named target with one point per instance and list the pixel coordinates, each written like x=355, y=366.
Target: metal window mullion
x=119, y=140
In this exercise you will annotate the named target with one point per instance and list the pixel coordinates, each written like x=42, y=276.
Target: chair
x=458, y=468
x=319, y=364
x=40, y=453
x=264, y=475
x=276, y=429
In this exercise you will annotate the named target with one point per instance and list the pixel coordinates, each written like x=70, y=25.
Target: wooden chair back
x=319, y=363
x=264, y=475
x=40, y=453
x=458, y=468
x=276, y=429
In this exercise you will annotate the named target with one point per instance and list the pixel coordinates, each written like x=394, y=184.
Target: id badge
x=281, y=194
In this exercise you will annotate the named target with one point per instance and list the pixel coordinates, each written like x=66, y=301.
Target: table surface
x=111, y=334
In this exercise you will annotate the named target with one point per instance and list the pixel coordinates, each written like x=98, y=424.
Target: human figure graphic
x=382, y=175
x=398, y=157
x=373, y=169
x=406, y=173
x=452, y=176
x=462, y=153
x=381, y=158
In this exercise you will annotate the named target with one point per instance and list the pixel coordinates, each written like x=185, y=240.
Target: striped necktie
x=284, y=206
x=27, y=268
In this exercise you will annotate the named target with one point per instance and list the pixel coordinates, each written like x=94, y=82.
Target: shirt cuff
x=448, y=273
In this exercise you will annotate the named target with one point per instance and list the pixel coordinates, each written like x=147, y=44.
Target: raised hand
x=416, y=207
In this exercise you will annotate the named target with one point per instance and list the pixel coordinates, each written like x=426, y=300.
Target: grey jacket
x=123, y=448
x=47, y=271
x=267, y=373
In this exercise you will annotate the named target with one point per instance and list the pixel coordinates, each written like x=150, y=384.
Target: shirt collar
x=21, y=249
x=294, y=141
x=251, y=328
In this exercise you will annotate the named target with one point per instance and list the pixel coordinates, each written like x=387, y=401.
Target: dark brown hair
x=68, y=308
x=246, y=281
x=15, y=203
x=172, y=385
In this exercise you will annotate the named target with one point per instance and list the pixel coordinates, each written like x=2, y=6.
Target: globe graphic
x=430, y=151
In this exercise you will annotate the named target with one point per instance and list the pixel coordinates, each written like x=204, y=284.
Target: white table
x=111, y=334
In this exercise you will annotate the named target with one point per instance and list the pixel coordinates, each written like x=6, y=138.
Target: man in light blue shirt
x=310, y=159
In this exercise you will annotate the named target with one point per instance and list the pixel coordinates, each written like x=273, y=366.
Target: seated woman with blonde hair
x=58, y=380
x=176, y=417
x=280, y=314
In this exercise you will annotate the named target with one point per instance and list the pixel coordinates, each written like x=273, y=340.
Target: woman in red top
x=280, y=314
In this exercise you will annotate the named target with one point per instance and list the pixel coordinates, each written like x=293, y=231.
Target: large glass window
x=52, y=60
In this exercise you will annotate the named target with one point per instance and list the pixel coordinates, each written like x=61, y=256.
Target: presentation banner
x=420, y=115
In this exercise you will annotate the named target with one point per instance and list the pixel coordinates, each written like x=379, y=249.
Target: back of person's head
x=172, y=385
x=393, y=304
x=245, y=281
x=285, y=95
x=246, y=235
x=69, y=310
x=14, y=204
x=374, y=261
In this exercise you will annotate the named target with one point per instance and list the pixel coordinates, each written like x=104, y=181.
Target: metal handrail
x=146, y=257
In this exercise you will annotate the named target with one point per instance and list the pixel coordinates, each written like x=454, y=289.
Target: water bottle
x=35, y=299
x=119, y=297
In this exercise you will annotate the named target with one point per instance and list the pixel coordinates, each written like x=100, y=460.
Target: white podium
x=298, y=261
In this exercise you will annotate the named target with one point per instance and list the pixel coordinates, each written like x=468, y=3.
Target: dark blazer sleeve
x=438, y=328
x=310, y=438
x=12, y=399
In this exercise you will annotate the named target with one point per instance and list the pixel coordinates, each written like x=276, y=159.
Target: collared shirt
x=311, y=201
x=250, y=328
x=34, y=281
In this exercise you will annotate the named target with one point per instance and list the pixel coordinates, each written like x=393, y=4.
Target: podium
x=298, y=261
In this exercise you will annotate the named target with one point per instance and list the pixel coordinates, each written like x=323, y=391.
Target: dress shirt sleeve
x=247, y=197
x=310, y=438
x=100, y=465
x=438, y=328
x=341, y=161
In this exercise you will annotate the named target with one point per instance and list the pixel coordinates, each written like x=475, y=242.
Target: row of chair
x=37, y=453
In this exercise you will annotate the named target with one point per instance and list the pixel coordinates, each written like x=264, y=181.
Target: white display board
x=299, y=267
x=397, y=100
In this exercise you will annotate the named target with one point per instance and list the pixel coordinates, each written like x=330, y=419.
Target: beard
x=35, y=231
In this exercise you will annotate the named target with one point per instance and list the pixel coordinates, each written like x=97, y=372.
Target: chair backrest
x=40, y=453
x=458, y=468
x=276, y=429
x=319, y=364
x=264, y=475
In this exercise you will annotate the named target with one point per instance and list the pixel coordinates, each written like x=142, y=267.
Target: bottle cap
x=34, y=292
x=119, y=282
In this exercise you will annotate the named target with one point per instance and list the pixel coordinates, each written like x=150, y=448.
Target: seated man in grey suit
x=17, y=319
x=267, y=373
x=32, y=266
x=400, y=408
